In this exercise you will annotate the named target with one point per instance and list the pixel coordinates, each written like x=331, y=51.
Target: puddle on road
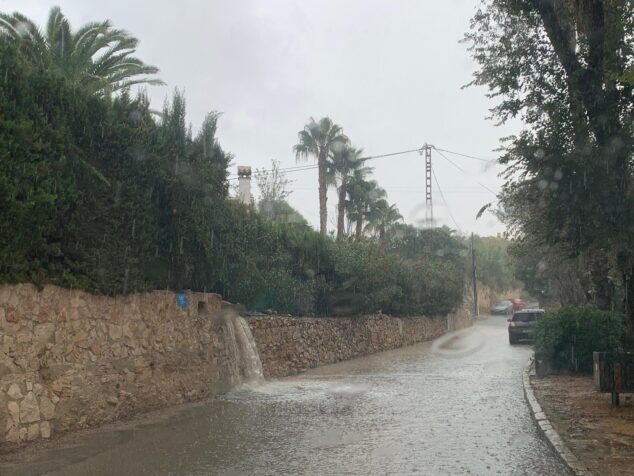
x=459, y=343
x=298, y=390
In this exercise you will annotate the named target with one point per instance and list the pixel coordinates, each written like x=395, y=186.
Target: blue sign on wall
x=181, y=300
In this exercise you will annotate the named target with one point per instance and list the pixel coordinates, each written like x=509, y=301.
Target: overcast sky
x=389, y=72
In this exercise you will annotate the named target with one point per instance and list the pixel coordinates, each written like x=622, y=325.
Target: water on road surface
x=452, y=407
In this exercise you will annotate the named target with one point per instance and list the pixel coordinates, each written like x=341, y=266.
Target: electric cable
x=464, y=171
x=301, y=168
x=466, y=155
x=444, y=200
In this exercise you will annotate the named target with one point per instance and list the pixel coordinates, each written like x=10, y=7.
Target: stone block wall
x=70, y=359
x=463, y=317
x=291, y=345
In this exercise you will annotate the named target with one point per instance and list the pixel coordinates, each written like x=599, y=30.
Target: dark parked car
x=502, y=307
x=522, y=324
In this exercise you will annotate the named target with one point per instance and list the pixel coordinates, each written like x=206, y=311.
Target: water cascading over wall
x=243, y=359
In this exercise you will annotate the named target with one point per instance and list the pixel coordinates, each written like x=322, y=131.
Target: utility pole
x=476, y=310
x=429, y=207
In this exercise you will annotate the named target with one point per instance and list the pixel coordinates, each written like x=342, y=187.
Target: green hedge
x=568, y=336
x=309, y=274
x=100, y=194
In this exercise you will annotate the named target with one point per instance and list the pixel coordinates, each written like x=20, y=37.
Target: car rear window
x=527, y=316
x=502, y=303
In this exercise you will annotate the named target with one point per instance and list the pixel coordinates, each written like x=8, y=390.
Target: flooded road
x=454, y=407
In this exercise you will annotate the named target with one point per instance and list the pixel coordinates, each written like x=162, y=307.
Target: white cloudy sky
x=389, y=72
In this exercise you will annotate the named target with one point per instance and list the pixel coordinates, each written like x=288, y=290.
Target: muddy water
x=455, y=407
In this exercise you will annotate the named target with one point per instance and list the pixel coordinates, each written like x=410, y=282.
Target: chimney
x=244, y=184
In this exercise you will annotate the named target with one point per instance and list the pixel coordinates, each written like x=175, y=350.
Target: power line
x=298, y=168
x=464, y=171
x=466, y=155
x=284, y=169
x=416, y=190
x=301, y=168
x=442, y=195
x=393, y=153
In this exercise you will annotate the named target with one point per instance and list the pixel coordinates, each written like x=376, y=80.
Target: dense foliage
x=96, y=194
x=496, y=267
x=568, y=337
x=99, y=193
x=564, y=69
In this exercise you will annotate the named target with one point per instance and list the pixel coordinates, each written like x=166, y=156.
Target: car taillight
x=511, y=324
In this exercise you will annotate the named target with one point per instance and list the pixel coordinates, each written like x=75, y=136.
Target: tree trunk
x=323, y=194
x=629, y=312
x=341, y=209
x=359, y=230
x=601, y=287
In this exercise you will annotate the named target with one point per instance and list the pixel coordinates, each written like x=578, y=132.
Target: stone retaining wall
x=70, y=359
x=290, y=345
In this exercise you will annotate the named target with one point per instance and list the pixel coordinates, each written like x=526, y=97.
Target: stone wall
x=460, y=319
x=290, y=345
x=69, y=359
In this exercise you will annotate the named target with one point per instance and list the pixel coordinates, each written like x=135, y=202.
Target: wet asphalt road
x=454, y=407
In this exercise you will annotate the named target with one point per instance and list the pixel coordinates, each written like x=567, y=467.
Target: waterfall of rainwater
x=244, y=360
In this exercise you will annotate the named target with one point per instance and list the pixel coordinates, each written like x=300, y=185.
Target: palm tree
x=383, y=217
x=96, y=57
x=362, y=196
x=320, y=139
x=344, y=164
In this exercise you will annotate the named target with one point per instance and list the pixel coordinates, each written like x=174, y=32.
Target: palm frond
x=8, y=27
x=58, y=35
x=126, y=84
x=84, y=40
x=28, y=29
x=96, y=57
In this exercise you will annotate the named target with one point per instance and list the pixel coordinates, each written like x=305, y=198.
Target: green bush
x=364, y=278
x=568, y=336
x=285, y=293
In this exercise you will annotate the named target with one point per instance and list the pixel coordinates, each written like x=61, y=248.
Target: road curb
x=546, y=428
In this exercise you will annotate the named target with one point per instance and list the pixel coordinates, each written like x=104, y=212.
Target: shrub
x=285, y=293
x=568, y=336
x=364, y=278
